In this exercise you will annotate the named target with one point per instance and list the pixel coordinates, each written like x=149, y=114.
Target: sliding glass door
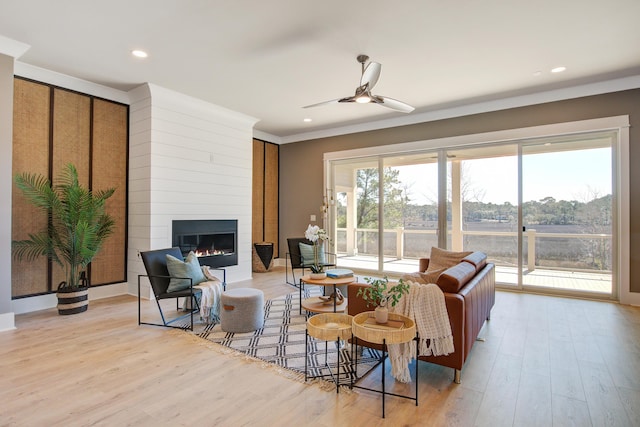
x=541, y=209
x=482, y=205
x=403, y=190
x=410, y=210
x=567, y=213
x=357, y=207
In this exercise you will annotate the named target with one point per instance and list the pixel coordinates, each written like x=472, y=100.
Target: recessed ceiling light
x=307, y=120
x=139, y=53
x=558, y=69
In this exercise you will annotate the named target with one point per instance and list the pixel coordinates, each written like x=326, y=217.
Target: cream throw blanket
x=210, y=301
x=426, y=306
x=209, y=297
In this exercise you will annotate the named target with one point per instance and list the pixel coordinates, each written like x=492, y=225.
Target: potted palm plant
x=379, y=294
x=76, y=229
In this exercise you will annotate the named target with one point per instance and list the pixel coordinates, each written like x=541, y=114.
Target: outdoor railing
x=365, y=243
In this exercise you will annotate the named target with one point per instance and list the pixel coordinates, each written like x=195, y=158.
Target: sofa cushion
x=454, y=278
x=441, y=258
x=424, y=278
x=477, y=259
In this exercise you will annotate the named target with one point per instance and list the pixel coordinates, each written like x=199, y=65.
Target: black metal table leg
x=384, y=358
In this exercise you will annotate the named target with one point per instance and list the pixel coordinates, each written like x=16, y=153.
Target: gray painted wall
x=6, y=137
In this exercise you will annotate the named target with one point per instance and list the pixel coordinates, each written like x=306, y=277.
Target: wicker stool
x=242, y=310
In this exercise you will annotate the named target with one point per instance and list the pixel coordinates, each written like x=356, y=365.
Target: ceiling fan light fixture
x=363, y=95
x=139, y=53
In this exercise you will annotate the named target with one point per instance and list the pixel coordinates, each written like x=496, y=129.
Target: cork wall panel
x=71, y=120
x=109, y=170
x=52, y=128
x=271, y=201
x=31, y=155
x=71, y=132
x=257, y=203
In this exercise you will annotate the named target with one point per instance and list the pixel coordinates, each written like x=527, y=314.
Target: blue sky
x=570, y=175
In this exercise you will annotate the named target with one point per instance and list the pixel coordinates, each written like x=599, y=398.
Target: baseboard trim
x=45, y=302
x=7, y=322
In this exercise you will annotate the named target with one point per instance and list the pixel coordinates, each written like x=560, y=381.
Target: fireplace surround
x=213, y=241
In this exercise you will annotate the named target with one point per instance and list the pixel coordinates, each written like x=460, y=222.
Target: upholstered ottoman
x=242, y=310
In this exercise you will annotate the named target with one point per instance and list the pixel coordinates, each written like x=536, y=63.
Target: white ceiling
x=267, y=59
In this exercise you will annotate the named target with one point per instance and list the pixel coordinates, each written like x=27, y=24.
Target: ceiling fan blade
x=370, y=75
x=347, y=99
x=333, y=101
x=394, y=104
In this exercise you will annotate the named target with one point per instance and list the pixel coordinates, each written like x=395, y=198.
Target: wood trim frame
x=90, y=169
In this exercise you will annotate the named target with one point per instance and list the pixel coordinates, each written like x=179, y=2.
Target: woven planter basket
x=262, y=257
x=73, y=301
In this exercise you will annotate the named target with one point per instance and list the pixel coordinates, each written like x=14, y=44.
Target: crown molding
x=12, y=47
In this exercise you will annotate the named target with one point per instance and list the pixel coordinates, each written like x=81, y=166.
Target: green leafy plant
x=380, y=294
x=77, y=225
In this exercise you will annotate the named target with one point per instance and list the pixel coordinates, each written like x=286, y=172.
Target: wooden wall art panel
x=30, y=154
x=257, y=202
x=271, y=191
x=71, y=144
x=109, y=169
x=54, y=127
x=265, y=193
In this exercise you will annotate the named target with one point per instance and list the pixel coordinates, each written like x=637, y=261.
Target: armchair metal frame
x=156, y=266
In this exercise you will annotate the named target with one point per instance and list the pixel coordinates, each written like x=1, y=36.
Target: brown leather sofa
x=469, y=292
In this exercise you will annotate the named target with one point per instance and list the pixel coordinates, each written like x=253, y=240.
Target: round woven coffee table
x=315, y=304
x=398, y=328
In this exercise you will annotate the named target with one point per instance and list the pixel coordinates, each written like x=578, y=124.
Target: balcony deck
x=579, y=281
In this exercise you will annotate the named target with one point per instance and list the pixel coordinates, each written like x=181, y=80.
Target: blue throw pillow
x=190, y=267
x=306, y=252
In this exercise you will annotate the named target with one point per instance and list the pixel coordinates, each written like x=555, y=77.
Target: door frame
x=621, y=228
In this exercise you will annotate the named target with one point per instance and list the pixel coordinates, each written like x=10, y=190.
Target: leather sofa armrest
x=454, y=278
x=423, y=264
x=477, y=259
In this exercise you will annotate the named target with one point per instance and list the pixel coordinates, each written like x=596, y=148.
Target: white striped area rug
x=281, y=342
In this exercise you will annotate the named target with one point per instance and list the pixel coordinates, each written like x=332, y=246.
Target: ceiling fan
x=363, y=95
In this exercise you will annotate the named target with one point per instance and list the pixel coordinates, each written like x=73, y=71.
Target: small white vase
x=318, y=276
x=382, y=314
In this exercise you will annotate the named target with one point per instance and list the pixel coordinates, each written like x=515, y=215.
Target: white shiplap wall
x=189, y=159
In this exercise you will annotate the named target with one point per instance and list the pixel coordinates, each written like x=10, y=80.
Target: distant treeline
x=548, y=211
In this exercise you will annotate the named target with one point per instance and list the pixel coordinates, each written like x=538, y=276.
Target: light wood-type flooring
x=545, y=361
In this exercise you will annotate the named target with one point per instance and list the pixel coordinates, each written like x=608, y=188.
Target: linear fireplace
x=213, y=241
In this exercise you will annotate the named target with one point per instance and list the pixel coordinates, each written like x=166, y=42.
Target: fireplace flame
x=200, y=253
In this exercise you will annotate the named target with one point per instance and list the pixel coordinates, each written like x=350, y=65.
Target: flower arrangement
x=380, y=294
x=316, y=235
